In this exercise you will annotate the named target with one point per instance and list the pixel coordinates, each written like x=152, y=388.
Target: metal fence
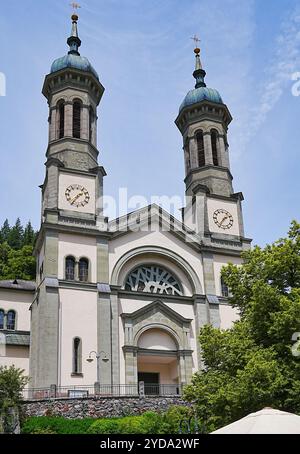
x=100, y=390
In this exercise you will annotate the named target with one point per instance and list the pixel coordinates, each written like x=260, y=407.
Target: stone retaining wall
x=99, y=407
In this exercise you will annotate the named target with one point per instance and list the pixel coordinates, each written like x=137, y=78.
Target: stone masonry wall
x=99, y=407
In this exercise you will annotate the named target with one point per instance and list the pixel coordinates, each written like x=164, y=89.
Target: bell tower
x=212, y=207
x=72, y=249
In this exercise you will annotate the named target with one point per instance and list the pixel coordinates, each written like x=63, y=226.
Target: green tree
x=20, y=264
x=5, y=231
x=15, y=238
x=29, y=235
x=251, y=365
x=12, y=383
x=16, y=249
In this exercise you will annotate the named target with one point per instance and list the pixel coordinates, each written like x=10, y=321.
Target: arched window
x=200, y=149
x=77, y=356
x=214, y=139
x=83, y=270
x=11, y=320
x=1, y=319
x=91, y=123
x=224, y=289
x=61, y=119
x=153, y=279
x=70, y=268
x=77, y=119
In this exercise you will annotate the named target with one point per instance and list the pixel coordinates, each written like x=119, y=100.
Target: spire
x=74, y=41
x=199, y=72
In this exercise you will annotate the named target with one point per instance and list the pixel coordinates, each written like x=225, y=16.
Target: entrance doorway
x=151, y=382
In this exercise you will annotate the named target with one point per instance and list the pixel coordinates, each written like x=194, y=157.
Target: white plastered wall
x=78, y=246
x=19, y=302
x=228, y=314
x=231, y=207
x=78, y=318
x=69, y=179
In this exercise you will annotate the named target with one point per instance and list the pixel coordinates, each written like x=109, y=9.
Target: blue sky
x=143, y=54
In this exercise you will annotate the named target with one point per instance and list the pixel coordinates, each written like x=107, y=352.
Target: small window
x=83, y=270
x=188, y=159
x=61, y=120
x=200, y=149
x=1, y=319
x=224, y=289
x=214, y=147
x=70, y=268
x=76, y=119
x=11, y=320
x=77, y=354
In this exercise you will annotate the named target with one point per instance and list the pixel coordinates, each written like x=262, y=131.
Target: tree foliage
x=251, y=366
x=12, y=383
x=16, y=251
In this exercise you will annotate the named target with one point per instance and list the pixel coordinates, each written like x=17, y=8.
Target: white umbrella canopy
x=266, y=421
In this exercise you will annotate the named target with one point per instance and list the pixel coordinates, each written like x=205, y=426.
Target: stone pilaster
x=193, y=152
x=102, y=261
x=224, y=153
x=85, y=123
x=115, y=343
x=208, y=149
x=52, y=124
x=208, y=272
x=104, y=337
x=69, y=119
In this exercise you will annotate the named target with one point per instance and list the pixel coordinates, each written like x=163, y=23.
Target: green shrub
x=172, y=419
x=56, y=425
x=148, y=423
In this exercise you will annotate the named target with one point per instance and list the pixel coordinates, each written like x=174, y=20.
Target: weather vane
x=75, y=6
x=196, y=40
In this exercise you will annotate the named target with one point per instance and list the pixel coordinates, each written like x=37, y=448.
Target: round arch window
x=153, y=279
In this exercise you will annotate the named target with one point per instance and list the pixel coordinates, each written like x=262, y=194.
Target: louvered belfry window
x=76, y=119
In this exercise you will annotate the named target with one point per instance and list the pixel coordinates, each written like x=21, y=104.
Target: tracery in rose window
x=153, y=279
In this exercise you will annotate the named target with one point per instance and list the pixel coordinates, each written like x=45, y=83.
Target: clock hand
x=76, y=197
x=224, y=219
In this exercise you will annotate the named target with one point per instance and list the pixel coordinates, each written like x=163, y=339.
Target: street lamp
x=98, y=357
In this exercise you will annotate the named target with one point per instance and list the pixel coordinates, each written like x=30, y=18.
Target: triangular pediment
x=138, y=220
x=156, y=307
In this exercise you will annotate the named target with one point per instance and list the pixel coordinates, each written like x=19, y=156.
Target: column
x=53, y=124
x=69, y=119
x=193, y=152
x=131, y=377
x=115, y=346
x=85, y=123
x=104, y=337
x=224, y=153
x=207, y=149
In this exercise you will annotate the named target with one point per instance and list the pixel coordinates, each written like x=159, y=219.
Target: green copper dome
x=201, y=92
x=73, y=59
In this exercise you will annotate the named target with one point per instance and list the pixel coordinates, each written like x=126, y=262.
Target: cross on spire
x=75, y=6
x=196, y=40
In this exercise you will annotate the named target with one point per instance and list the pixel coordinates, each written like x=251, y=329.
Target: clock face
x=77, y=195
x=223, y=219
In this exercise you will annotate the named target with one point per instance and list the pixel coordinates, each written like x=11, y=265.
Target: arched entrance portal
x=157, y=362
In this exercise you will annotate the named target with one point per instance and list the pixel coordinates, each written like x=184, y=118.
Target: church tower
x=72, y=250
x=212, y=207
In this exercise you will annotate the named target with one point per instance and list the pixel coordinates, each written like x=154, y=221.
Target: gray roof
x=19, y=284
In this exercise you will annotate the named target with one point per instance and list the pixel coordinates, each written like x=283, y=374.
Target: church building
x=121, y=301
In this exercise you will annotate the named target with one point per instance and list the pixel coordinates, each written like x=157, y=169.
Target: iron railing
x=100, y=390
